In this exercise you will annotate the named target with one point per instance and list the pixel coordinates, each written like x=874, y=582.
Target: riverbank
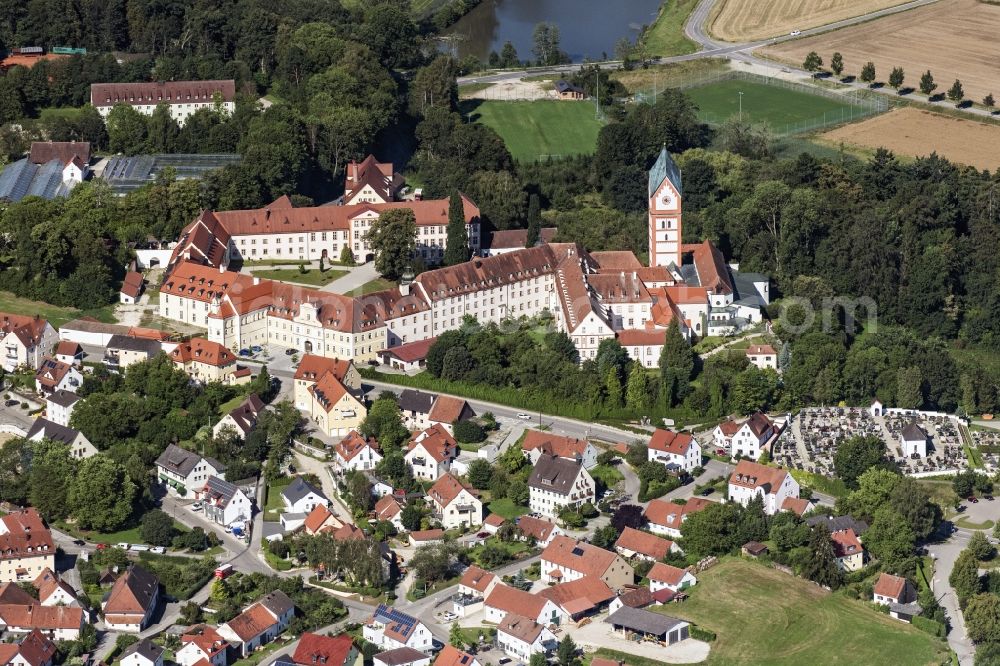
x=665, y=36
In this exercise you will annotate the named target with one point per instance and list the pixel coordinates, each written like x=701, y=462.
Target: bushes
x=181, y=577
x=469, y=432
x=929, y=626
x=702, y=634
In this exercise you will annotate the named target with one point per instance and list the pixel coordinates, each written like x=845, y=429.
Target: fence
x=858, y=103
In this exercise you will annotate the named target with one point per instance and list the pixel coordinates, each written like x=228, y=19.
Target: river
x=588, y=28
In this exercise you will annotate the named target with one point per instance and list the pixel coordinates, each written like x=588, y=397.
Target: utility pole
x=741, y=105
x=597, y=113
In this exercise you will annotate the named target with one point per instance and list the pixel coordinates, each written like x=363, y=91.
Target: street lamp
x=741, y=105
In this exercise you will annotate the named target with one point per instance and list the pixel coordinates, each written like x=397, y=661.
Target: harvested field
x=954, y=39
x=750, y=20
x=910, y=131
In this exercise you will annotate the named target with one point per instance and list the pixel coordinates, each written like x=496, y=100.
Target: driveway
x=357, y=276
x=945, y=555
x=598, y=634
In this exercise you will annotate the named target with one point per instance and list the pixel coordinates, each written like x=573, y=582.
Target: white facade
x=688, y=460
x=17, y=353
x=424, y=465
x=551, y=503
x=194, y=481
x=464, y=511
x=747, y=444
x=517, y=648
x=687, y=580
x=59, y=414
x=773, y=500
x=419, y=639
x=365, y=459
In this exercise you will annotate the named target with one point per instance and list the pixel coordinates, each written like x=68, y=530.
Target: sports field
x=765, y=617
x=954, y=39
x=917, y=133
x=775, y=106
x=750, y=20
x=533, y=130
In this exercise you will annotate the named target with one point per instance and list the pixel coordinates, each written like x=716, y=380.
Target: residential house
x=763, y=357
x=667, y=517
x=848, y=550
x=407, y=356
x=143, y=652
x=542, y=531
x=224, y=502
x=53, y=591
x=131, y=601
x=333, y=408
x=452, y=656
x=774, y=485
x=679, y=451
x=181, y=98
x=797, y=505
x=70, y=353
x=25, y=340
x=537, y=442
x=312, y=368
x=581, y=597
x=184, y=472
x=259, y=623
x=566, y=559
x=475, y=585
x=750, y=438
x=637, y=597
x=354, y=452
x=836, y=523
x=389, y=628
x=55, y=375
x=389, y=509
x=123, y=351
x=79, y=446
x=370, y=181
x=633, y=543
x=566, y=90
x=58, y=623
x=318, y=650
x=404, y=656
x=504, y=599
x=664, y=576
x=898, y=594
x=913, y=441
x=59, y=407
x=202, y=643
x=557, y=483
x=446, y=411
x=431, y=452
x=26, y=546
x=454, y=504
x=493, y=523
x=321, y=519
x=520, y=637
x=243, y=418
x=301, y=497
x=415, y=407
x=426, y=537
x=206, y=361
x=723, y=434
x=131, y=289
x=33, y=650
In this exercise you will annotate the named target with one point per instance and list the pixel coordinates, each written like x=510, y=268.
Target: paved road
x=945, y=555
x=354, y=279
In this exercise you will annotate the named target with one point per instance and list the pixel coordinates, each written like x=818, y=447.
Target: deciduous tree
x=837, y=63
x=868, y=72
x=101, y=494
x=927, y=85
x=393, y=238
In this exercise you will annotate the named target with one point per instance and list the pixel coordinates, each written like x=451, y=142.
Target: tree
x=982, y=618
x=613, y=387
x=508, y=56
x=837, y=63
x=163, y=130
x=393, y=238
x=534, y=221
x=956, y=93
x=566, y=652
x=385, y=423
x=927, y=85
x=157, y=528
x=989, y=102
x=981, y=547
x=964, y=483
x=856, y=455
x=455, y=637
x=713, y=531
x=127, y=130
x=821, y=567
x=964, y=577
x=191, y=613
x=629, y=515
x=434, y=85
x=909, y=387
x=101, y=494
x=753, y=390
x=868, y=72
x=637, y=390
x=347, y=255
x=812, y=62
x=891, y=539
x=896, y=77
x=457, y=249
x=410, y=517
x=676, y=365
x=546, y=44
x=480, y=473
x=605, y=537
x=518, y=492
x=52, y=470
x=538, y=659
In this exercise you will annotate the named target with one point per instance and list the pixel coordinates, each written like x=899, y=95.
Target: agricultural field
x=804, y=624
x=910, y=131
x=750, y=20
x=777, y=107
x=534, y=130
x=954, y=39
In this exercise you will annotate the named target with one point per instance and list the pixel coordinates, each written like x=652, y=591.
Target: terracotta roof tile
x=205, y=351
x=446, y=489
x=155, y=92
x=644, y=543
x=890, y=586
x=666, y=573
x=578, y=556
x=513, y=600
x=669, y=441
x=317, y=650
x=749, y=474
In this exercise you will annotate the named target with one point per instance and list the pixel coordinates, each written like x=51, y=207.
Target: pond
x=588, y=28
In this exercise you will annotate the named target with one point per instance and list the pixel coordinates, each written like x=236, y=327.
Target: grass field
x=505, y=507
x=533, y=130
x=762, y=616
x=665, y=37
x=775, y=106
x=750, y=20
x=311, y=277
x=954, y=39
x=55, y=314
x=910, y=131
x=378, y=284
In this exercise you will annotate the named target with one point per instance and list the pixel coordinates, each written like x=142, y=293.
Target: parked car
x=11, y=403
x=102, y=546
x=525, y=417
x=795, y=33
x=159, y=550
x=139, y=548
x=707, y=491
x=256, y=349
x=80, y=542
x=123, y=546
x=988, y=498
x=244, y=352
x=973, y=499
x=196, y=506
x=291, y=352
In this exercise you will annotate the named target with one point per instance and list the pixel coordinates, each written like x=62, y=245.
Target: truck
x=224, y=571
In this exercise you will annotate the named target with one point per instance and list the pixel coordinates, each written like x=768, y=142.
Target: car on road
x=196, y=506
x=256, y=349
x=79, y=542
x=244, y=352
x=973, y=499
x=102, y=546
x=504, y=660
x=291, y=352
x=123, y=546
x=988, y=498
x=720, y=452
x=707, y=491
x=795, y=33
x=159, y=550
x=525, y=417
x=11, y=403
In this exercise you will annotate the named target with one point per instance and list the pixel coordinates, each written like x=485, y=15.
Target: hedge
x=702, y=634
x=932, y=627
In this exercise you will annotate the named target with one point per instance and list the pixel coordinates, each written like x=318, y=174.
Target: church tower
x=665, y=212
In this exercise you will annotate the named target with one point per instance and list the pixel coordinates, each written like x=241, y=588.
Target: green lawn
x=312, y=276
x=275, y=505
x=763, y=616
x=378, y=284
x=665, y=37
x=130, y=535
x=505, y=507
x=55, y=314
x=821, y=483
x=776, y=106
x=609, y=475
x=534, y=130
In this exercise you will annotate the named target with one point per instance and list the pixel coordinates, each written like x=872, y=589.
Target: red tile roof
x=447, y=409
x=683, y=294
x=132, y=285
x=156, y=92
x=616, y=260
x=312, y=367
x=634, y=337
x=472, y=276
x=36, y=616
x=29, y=330
x=318, y=650
x=556, y=445
x=579, y=595
x=846, y=543
x=131, y=594
x=26, y=536
x=67, y=348
x=796, y=505
x=713, y=274
x=446, y=489
x=516, y=239
x=730, y=428
x=411, y=352
x=188, y=279
x=51, y=373
x=758, y=423
x=520, y=627
x=252, y=622
x=427, y=535
x=452, y=656
x=317, y=518
x=513, y=600
x=11, y=593
x=477, y=579
x=63, y=151
x=369, y=172
x=535, y=527
x=666, y=573
x=669, y=441
x=890, y=586
x=438, y=443
x=659, y=511
x=35, y=649
x=328, y=391
x=494, y=520
x=387, y=507
x=749, y=474
x=205, y=351
x=644, y=543
x=353, y=444
x=578, y=556
x=760, y=350
x=618, y=287
x=206, y=638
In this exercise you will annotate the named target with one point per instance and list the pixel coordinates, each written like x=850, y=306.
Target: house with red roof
x=898, y=594
x=664, y=576
x=389, y=509
x=848, y=550
x=773, y=484
x=452, y=656
x=454, y=504
x=580, y=598
x=635, y=544
x=25, y=340
x=321, y=519
x=58, y=623
x=131, y=289
x=333, y=408
x=666, y=517
x=763, y=357
x=318, y=650
x=132, y=600
x=26, y=546
x=206, y=361
x=354, y=452
x=370, y=181
x=537, y=442
x=53, y=591
x=202, y=644
x=55, y=375
x=431, y=452
x=33, y=650
x=475, y=585
x=679, y=451
x=503, y=600
x=539, y=529
x=259, y=623
x=404, y=656
x=409, y=356
x=389, y=628
x=566, y=559
x=521, y=637
x=182, y=98
x=70, y=353
x=447, y=410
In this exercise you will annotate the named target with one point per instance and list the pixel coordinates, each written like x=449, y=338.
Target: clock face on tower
x=666, y=200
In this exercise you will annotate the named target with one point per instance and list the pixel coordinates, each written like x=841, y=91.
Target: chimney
x=256, y=281
x=222, y=269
